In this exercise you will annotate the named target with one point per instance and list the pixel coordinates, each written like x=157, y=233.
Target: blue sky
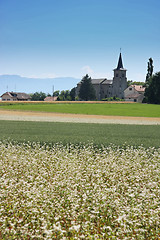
x=69, y=38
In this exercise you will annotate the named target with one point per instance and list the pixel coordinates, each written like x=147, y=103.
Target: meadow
x=81, y=133
x=73, y=192
x=93, y=108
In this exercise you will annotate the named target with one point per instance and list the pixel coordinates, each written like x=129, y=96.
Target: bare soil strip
x=77, y=118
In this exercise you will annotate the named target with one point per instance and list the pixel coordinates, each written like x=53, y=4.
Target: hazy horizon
x=50, y=38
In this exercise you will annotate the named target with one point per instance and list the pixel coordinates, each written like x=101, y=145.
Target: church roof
x=107, y=81
x=120, y=64
x=97, y=81
x=101, y=81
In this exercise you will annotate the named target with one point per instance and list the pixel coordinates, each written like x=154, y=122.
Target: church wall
x=98, y=91
x=106, y=91
x=119, y=83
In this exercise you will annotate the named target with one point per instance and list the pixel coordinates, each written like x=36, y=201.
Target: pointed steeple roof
x=120, y=63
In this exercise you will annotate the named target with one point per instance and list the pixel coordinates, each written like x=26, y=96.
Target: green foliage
x=38, y=96
x=152, y=92
x=149, y=70
x=113, y=99
x=73, y=94
x=87, y=91
x=64, y=96
x=130, y=82
x=56, y=93
x=80, y=133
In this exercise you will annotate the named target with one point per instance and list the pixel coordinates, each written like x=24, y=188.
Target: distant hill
x=17, y=83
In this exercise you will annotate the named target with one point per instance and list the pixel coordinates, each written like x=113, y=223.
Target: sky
x=69, y=38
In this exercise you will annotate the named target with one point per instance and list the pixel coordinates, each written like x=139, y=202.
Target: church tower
x=119, y=79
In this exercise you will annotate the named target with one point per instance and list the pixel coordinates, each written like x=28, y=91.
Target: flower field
x=73, y=192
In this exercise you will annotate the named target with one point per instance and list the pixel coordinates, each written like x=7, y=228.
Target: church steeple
x=119, y=80
x=120, y=63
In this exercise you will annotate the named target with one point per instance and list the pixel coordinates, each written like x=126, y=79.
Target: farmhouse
x=106, y=88
x=15, y=96
x=50, y=99
x=134, y=93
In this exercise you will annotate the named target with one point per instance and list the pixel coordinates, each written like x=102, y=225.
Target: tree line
x=64, y=95
x=152, y=85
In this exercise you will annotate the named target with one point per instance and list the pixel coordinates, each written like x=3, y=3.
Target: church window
x=130, y=89
x=122, y=74
x=117, y=75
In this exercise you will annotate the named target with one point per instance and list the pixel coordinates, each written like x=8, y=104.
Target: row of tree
x=64, y=95
x=152, y=84
x=87, y=92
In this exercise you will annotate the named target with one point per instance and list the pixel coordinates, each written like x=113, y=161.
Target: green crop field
x=77, y=133
x=114, y=109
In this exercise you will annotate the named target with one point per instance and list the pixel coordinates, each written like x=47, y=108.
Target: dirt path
x=79, y=118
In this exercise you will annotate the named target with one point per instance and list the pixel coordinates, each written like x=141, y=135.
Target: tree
x=149, y=70
x=73, y=94
x=38, y=96
x=87, y=91
x=152, y=91
x=130, y=82
x=64, y=96
x=56, y=93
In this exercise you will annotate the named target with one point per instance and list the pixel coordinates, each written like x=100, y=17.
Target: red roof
x=50, y=99
x=138, y=88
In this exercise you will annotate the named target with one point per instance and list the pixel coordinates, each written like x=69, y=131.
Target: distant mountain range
x=17, y=83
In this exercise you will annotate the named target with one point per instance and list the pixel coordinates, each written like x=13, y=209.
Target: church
x=106, y=88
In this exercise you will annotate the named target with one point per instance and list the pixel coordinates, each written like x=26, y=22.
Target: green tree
x=130, y=82
x=87, y=91
x=73, y=94
x=56, y=93
x=152, y=91
x=149, y=70
x=38, y=96
x=64, y=96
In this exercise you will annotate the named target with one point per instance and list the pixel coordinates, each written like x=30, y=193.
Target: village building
x=134, y=93
x=15, y=96
x=106, y=88
x=50, y=99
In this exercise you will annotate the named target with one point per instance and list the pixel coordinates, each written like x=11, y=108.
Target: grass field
x=80, y=133
x=114, y=109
